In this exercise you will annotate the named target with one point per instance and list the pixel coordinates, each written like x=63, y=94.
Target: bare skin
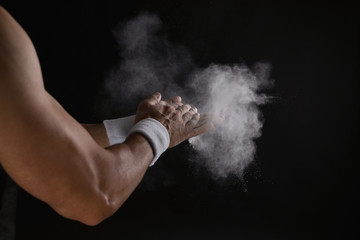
x=61, y=162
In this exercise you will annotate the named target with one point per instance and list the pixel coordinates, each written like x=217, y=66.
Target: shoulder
x=20, y=73
x=19, y=65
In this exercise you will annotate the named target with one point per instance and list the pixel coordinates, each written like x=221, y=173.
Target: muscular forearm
x=98, y=133
x=132, y=160
x=121, y=169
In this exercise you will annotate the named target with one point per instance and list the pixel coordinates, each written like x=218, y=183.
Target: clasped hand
x=181, y=120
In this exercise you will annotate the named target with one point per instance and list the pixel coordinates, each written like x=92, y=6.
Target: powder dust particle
x=151, y=63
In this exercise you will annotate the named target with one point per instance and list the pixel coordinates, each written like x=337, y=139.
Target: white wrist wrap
x=118, y=129
x=155, y=133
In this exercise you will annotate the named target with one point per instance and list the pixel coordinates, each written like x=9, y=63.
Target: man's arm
x=50, y=155
x=112, y=131
x=98, y=133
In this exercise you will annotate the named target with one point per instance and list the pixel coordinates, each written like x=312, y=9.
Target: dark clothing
x=8, y=196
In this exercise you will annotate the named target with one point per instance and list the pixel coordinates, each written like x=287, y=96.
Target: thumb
x=154, y=99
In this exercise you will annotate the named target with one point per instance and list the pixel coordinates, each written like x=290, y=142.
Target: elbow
x=94, y=197
x=89, y=213
x=101, y=212
x=92, y=222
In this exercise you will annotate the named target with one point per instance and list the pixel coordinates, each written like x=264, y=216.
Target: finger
x=154, y=99
x=193, y=121
x=203, y=119
x=184, y=108
x=174, y=100
x=193, y=110
x=169, y=110
x=215, y=119
x=187, y=117
x=204, y=124
x=200, y=124
x=162, y=103
x=203, y=128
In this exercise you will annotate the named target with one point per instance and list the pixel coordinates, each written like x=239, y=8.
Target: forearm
x=119, y=171
x=132, y=159
x=98, y=133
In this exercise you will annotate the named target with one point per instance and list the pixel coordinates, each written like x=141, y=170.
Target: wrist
x=142, y=146
x=156, y=134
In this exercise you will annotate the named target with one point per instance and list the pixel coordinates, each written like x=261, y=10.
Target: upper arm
x=42, y=147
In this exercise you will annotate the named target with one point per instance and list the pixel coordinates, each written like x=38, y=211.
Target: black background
x=304, y=181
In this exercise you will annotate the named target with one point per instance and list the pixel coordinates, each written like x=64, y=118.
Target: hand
x=181, y=120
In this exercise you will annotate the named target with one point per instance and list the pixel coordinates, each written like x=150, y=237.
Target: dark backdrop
x=304, y=181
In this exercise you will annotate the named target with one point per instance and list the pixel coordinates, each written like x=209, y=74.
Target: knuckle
x=169, y=108
x=196, y=116
x=185, y=107
x=167, y=121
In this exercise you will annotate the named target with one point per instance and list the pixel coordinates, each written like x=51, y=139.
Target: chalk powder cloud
x=150, y=63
